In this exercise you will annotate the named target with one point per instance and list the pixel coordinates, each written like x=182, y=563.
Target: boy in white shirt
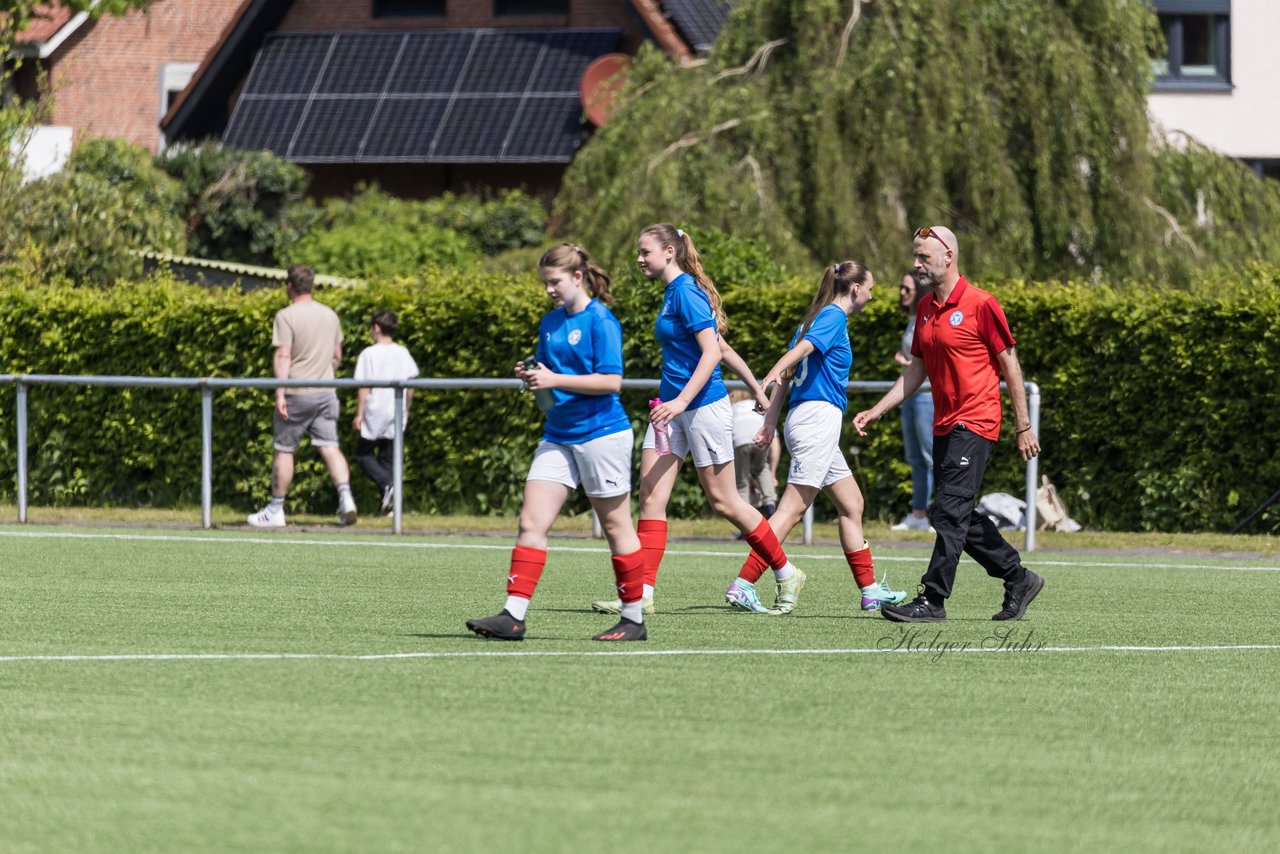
x=375, y=408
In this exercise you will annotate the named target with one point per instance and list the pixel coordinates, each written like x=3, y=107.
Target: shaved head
x=949, y=238
x=937, y=256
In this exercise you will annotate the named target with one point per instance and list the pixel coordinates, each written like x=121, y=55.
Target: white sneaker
x=388, y=501
x=346, y=510
x=912, y=522
x=267, y=518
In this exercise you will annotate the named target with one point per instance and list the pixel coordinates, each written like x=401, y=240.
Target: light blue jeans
x=917, y=436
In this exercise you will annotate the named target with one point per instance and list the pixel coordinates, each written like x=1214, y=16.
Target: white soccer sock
x=344, y=489
x=786, y=572
x=517, y=606
x=648, y=591
x=632, y=611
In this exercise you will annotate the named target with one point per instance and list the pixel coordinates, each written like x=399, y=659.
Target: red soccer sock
x=628, y=574
x=752, y=568
x=764, y=542
x=526, y=569
x=653, y=542
x=864, y=572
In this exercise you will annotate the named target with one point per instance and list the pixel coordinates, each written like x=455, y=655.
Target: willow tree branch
x=848, y=30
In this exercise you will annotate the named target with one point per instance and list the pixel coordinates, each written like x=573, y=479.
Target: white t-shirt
x=383, y=362
x=746, y=423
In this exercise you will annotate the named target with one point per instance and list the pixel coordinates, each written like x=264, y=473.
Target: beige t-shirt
x=312, y=332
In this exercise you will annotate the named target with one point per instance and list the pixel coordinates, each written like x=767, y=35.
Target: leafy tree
x=831, y=129
x=87, y=222
x=18, y=117
x=244, y=206
x=376, y=234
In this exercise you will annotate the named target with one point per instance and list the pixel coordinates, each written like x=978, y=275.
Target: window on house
x=1265, y=168
x=408, y=8
x=530, y=7
x=174, y=77
x=1197, y=36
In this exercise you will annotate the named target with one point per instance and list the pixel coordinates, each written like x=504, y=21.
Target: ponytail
x=572, y=258
x=837, y=280
x=688, y=260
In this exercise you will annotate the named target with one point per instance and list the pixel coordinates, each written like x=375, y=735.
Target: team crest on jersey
x=956, y=318
x=575, y=336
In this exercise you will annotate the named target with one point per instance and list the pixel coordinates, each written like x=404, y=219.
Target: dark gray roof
x=426, y=96
x=699, y=21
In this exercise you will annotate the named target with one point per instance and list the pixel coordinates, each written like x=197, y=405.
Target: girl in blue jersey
x=695, y=409
x=587, y=439
x=816, y=367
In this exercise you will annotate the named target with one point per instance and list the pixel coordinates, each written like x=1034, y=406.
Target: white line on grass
x=631, y=653
x=393, y=544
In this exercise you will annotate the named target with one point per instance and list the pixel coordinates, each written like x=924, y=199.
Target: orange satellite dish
x=601, y=83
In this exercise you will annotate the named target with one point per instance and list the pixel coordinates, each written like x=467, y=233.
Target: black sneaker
x=918, y=610
x=499, y=627
x=1019, y=596
x=626, y=630
x=388, y=501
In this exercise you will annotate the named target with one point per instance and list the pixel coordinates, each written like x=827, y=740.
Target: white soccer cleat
x=267, y=518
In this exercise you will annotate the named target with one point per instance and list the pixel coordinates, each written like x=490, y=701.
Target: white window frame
x=174, y=77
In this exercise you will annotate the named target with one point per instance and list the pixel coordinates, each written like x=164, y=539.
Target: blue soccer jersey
x=686, y=310
x=824, y=373
x=589, y=342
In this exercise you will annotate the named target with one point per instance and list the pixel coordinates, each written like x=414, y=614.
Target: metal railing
x=208, y=385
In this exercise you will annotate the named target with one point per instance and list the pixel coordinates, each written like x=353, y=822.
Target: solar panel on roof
x=545, y=124
x=333, y=128
x=441, y=96
x=359, y=64
x=265, y=124
x=404, y=129
x=288, y=66
x=476, y=127
x=699, y=21
x=502, y=62
x=431, y=62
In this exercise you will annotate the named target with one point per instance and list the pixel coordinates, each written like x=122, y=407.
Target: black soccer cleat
x=1018, y=596
x=918, y=610
x=499, y=627
x=626, y=630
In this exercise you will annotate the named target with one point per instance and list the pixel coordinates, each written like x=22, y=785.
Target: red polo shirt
x=958, y=341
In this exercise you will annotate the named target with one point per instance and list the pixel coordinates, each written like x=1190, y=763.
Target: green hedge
x=1159, y=407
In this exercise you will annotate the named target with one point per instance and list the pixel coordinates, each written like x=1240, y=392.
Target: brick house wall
x=348, y=15
x=106, y=80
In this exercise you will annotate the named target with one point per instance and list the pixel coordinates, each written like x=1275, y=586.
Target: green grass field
x=303, y=691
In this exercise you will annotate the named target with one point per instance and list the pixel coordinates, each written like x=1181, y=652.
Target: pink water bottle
x=661, y=433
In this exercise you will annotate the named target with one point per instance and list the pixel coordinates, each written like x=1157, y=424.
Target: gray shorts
x=315, y=415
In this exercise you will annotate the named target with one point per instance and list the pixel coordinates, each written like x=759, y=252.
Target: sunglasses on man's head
x=927, y=232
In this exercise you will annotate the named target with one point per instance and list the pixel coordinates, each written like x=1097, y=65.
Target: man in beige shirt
x=308, y=340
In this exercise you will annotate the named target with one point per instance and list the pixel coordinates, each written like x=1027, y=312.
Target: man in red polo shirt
x=962, y=345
